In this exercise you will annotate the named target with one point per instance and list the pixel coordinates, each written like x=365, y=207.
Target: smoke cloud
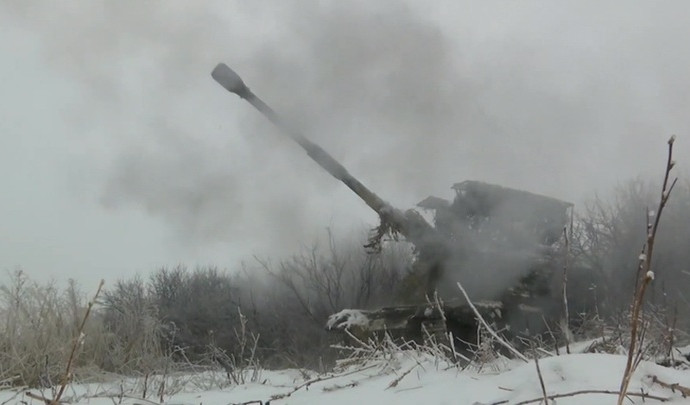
x=410, y=99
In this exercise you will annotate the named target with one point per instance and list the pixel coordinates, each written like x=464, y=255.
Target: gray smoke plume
x=411, y=99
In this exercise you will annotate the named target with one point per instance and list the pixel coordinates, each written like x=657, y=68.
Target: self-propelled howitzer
x=501, y=243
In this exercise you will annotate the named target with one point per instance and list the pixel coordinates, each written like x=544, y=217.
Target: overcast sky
x=119, y=154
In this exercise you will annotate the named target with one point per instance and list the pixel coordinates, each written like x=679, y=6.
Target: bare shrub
x=322, y=280
x=607, y=242
x=133, y=329
x=243, y=366
x=179, y=319
x=199, y=305
x=37, y=328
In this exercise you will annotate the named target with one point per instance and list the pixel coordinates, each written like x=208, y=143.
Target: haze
x=120, y=154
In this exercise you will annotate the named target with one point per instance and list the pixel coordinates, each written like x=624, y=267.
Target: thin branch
x=566, y=312
x=318, y=379
x=41, y=398
x=395, y=382
x=489, y=329
x=78, y=339
x=541, y=379
x=584, y=392
x=684, y=391
x=16, y=394
x=644, y=270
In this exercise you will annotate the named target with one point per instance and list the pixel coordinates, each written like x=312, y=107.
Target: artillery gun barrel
x=231, y=81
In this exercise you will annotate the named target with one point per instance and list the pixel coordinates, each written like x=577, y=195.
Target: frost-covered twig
x=319, y=379
x=395, y=382
x=645, y=270
x=41, y=398
x=684, y=391
x=78, y=340
x=12, y=398
x=564, y=289
x=120, y=397
x=541, y=379
x=489, y=329
x=583, y=392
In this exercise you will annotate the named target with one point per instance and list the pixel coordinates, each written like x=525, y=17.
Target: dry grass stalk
x=645, y=272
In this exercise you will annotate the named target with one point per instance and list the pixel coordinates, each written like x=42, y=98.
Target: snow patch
x=347, y=318
x=415, y=380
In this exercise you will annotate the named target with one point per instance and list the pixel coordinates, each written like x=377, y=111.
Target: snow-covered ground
x=408, y=378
